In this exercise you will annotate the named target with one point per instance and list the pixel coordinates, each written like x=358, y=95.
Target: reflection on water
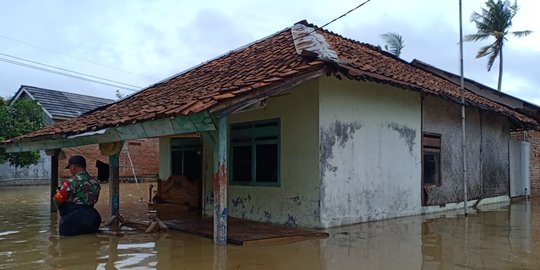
x=496, y=237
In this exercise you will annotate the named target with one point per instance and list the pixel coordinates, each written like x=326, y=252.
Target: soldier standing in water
x=75, y=200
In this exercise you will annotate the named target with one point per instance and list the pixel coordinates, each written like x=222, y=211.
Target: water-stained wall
x=296, y=201
x=38, y=174
x=370, y=137
x=486, y=147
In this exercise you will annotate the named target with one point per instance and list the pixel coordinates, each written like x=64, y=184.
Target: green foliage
x=495, y=20
x=21, y=117
x=394, y=43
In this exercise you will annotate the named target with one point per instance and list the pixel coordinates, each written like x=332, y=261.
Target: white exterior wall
x=370, y=151
x=38, y=174
x=164, y=158
x=296, y=201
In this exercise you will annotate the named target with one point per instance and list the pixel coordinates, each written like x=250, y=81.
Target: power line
x=14, y=62
x=67, y=70
x=328, y=23
x=74, y=57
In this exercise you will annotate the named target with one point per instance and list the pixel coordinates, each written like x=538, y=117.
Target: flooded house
x=524, y=143
x=308, y=128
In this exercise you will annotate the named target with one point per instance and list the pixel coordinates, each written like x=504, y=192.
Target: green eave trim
x=197, y=122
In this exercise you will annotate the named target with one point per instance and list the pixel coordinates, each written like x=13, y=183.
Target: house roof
x=62, y=105
x=259, y=70
x=500, y=97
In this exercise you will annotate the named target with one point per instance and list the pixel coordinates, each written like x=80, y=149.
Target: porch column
x=114, y=186
x=54, y=175
x=220, y=183
x=113, y=151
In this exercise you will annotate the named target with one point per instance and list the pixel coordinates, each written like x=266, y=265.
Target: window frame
x=432, y=143
x=185, y=144
x=253, y=133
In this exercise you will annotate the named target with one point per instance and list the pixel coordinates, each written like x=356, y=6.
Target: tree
x=394, y=43
x=21, y=117
x=119, y=95
x=495, y=20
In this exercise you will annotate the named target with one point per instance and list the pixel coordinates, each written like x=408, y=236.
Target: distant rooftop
x=62, y=104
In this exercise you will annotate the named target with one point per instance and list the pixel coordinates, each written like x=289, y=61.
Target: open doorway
x=181, y=193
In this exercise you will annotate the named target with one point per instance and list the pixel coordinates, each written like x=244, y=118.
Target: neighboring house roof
x=515, y=103
x=59, y=104
x=263, y=68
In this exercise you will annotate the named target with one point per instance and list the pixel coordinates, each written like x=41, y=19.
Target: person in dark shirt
x=75, y=199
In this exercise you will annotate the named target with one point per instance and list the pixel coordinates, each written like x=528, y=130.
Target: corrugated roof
x=64, y=104
x=249, y=72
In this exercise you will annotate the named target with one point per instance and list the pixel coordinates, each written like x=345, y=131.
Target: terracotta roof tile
x=368, y=62
x=260, y=65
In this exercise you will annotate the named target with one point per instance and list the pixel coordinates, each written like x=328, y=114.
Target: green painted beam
x=131, y=130
x=198, y=122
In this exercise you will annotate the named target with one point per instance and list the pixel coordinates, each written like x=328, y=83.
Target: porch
x=244, y=232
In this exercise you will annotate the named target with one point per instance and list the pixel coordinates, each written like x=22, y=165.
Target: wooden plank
x=62, y=142
x=131, y=131
x=245, y=232
x=197, y=122
x=158, y=127
x=283, y=240
x=431, y=141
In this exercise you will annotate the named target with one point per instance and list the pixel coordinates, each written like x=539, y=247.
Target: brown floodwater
x=495, y=237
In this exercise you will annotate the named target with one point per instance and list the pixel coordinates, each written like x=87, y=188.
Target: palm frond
x=476, y=37
x=493, y=53
x=494, y=20
x=394, y=43
x=520, y=34
x=484, y=51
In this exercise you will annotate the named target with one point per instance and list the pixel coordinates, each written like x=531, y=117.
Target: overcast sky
x=141, y=42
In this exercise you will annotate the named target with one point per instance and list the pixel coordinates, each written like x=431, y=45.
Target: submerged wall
x=296, y=200
x=370, y=137
x=38, y=174
x=487, y=162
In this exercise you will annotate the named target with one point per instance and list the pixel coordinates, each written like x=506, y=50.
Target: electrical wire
x=105, y=81
x=328, y=23
x=68, y=70
x=74, y=57
x=112, y=84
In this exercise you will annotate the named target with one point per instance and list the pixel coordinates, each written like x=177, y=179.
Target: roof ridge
x=365, y=44
x=63, y=92
x=472, y=81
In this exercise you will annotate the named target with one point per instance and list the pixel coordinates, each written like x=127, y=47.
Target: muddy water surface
x=496, y=237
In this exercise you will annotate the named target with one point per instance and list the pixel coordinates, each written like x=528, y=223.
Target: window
x=186, y=158
x=431, y=144
x=255, y=153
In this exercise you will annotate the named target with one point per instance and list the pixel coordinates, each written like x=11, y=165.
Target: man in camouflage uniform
x=75, y=200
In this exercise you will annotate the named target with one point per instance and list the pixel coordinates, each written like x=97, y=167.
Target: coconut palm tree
x=394, y=43
x=495, y=20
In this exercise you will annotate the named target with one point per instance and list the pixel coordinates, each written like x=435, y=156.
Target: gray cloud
x=161, y=38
